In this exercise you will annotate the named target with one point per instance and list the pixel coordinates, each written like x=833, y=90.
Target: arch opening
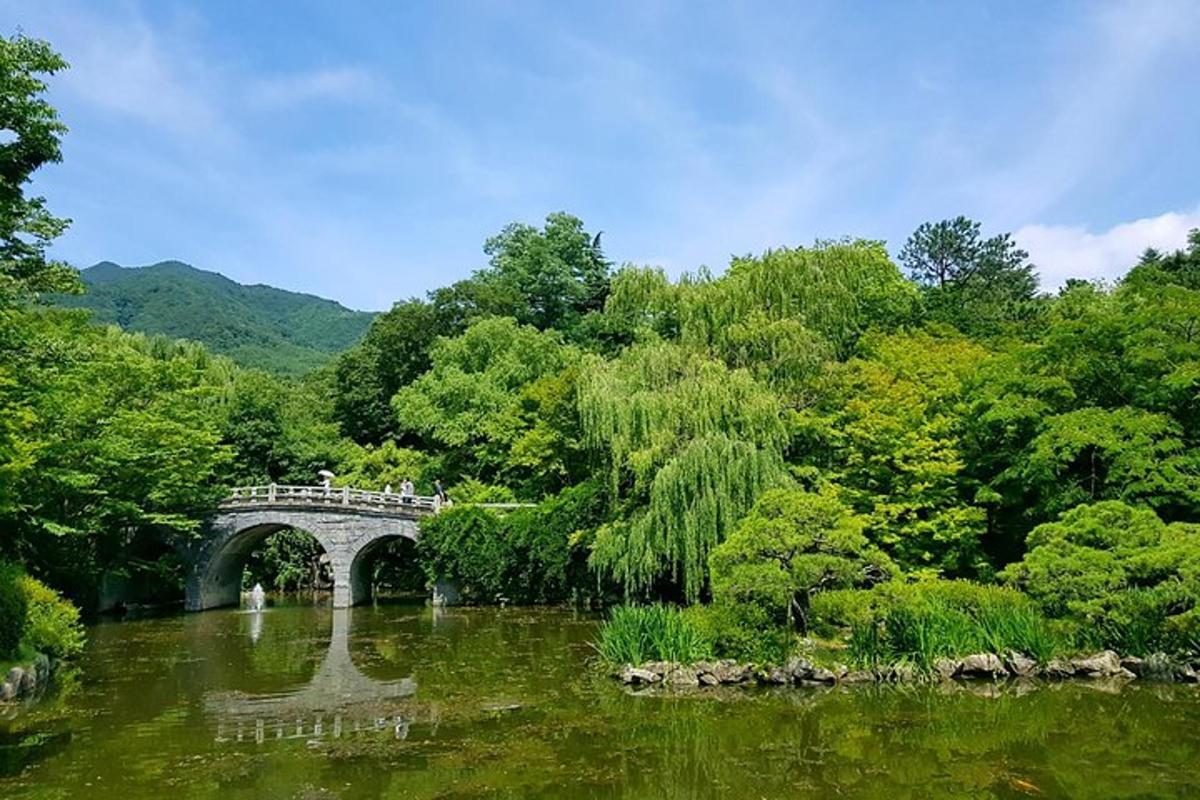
x=278, y=556
x=386, y=566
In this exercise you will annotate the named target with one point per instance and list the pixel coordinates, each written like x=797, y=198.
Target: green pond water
x=408, y=702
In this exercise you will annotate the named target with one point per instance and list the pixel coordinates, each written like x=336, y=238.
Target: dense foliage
x=791, y=546
x=533, y=555
x=52, y=623
x=33, y=135
x=14, y=607
x=34, y=618
x=1130, y=580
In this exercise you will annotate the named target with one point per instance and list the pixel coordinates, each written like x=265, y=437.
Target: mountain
x=257, y=326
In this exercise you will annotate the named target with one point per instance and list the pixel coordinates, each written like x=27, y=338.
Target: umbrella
x=324, y=473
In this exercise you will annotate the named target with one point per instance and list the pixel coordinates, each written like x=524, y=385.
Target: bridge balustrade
x=281, y=494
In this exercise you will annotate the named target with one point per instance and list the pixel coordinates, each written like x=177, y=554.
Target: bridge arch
x=349, y=527
x=219, y=573
x=361, y=566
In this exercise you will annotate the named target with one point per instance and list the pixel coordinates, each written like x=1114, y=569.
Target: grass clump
x=919, y=623
x=637, y=634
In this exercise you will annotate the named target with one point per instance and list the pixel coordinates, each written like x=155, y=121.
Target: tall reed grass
x=923, y=622
x=637, y=634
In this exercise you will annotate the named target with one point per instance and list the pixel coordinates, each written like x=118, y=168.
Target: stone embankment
x=981, y=666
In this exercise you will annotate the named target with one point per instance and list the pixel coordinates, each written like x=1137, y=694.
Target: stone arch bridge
x=350, y=525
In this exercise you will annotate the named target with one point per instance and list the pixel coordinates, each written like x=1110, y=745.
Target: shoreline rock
x=23, y=682
x=978, y=667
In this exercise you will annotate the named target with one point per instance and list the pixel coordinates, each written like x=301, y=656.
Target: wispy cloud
x=1107, y=65
x=127, y=69
x=1062, y=252
x=395, y=141
x=340, y=84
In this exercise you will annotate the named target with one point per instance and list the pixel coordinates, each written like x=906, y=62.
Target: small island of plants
x=799, y=595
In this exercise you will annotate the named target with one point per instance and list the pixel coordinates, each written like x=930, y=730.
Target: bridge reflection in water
x=338, y=701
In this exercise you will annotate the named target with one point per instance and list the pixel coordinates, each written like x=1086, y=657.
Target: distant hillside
x=257, y=326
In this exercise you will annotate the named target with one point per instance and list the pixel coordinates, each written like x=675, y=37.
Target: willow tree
x=836, y=290
x=689, y=445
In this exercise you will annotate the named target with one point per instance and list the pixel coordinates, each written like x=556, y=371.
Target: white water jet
x=258, y=598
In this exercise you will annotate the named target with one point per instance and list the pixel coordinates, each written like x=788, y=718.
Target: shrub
x=548, y=558
x=924, y=621
x=637, y=634
x=1128, y=580
x=13, y=610
x=531, y=555
x=791, y=546
x=743, y=632
x=466, y=545
x=53, y=622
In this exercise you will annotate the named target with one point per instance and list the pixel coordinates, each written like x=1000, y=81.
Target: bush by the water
x=52, y=622
x=1130, y=581
x=743, y=631
x=919, y=623
x=13, y=606
x=637, y=634
x=528, y=556
x=790, y=547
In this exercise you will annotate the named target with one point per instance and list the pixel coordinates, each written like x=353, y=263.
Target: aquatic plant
x=921, y=622
x=637, y=634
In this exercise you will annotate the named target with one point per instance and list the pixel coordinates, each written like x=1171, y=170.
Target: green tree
x=124, y=432
x=978, y=285
x=26, y=225
x=253, y=428
x=1130, y=579
x=888, y=430
x=834, y=291
x=689, y=445
x=393, y=354
x=1181, y=267
x=791, y=545
x=470, y=406
x=1094, y=454
x=376, y=468
x=559, y=271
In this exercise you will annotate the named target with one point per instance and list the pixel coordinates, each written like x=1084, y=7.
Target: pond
x=412, y=702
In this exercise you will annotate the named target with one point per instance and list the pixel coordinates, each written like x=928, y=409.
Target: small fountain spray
x=258, y=598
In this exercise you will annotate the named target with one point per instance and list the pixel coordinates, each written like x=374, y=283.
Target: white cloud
x=1064, y=251
x=338, y=83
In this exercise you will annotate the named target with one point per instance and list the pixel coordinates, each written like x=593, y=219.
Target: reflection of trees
x=160, y=688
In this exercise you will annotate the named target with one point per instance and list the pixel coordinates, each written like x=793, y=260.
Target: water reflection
x=339, y=699
x=308, y=703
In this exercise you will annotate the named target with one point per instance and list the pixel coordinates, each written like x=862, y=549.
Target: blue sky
x=365, y=151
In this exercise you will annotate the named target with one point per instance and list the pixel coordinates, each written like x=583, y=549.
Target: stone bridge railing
x=343, y=497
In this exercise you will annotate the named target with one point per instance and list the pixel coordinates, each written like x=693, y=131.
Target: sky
x=365, y=151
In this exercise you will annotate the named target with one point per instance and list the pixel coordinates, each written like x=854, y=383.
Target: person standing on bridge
x=438, y=491
x=406, y=492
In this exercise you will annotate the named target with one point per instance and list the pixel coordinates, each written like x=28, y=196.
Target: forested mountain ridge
x=255, y=325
